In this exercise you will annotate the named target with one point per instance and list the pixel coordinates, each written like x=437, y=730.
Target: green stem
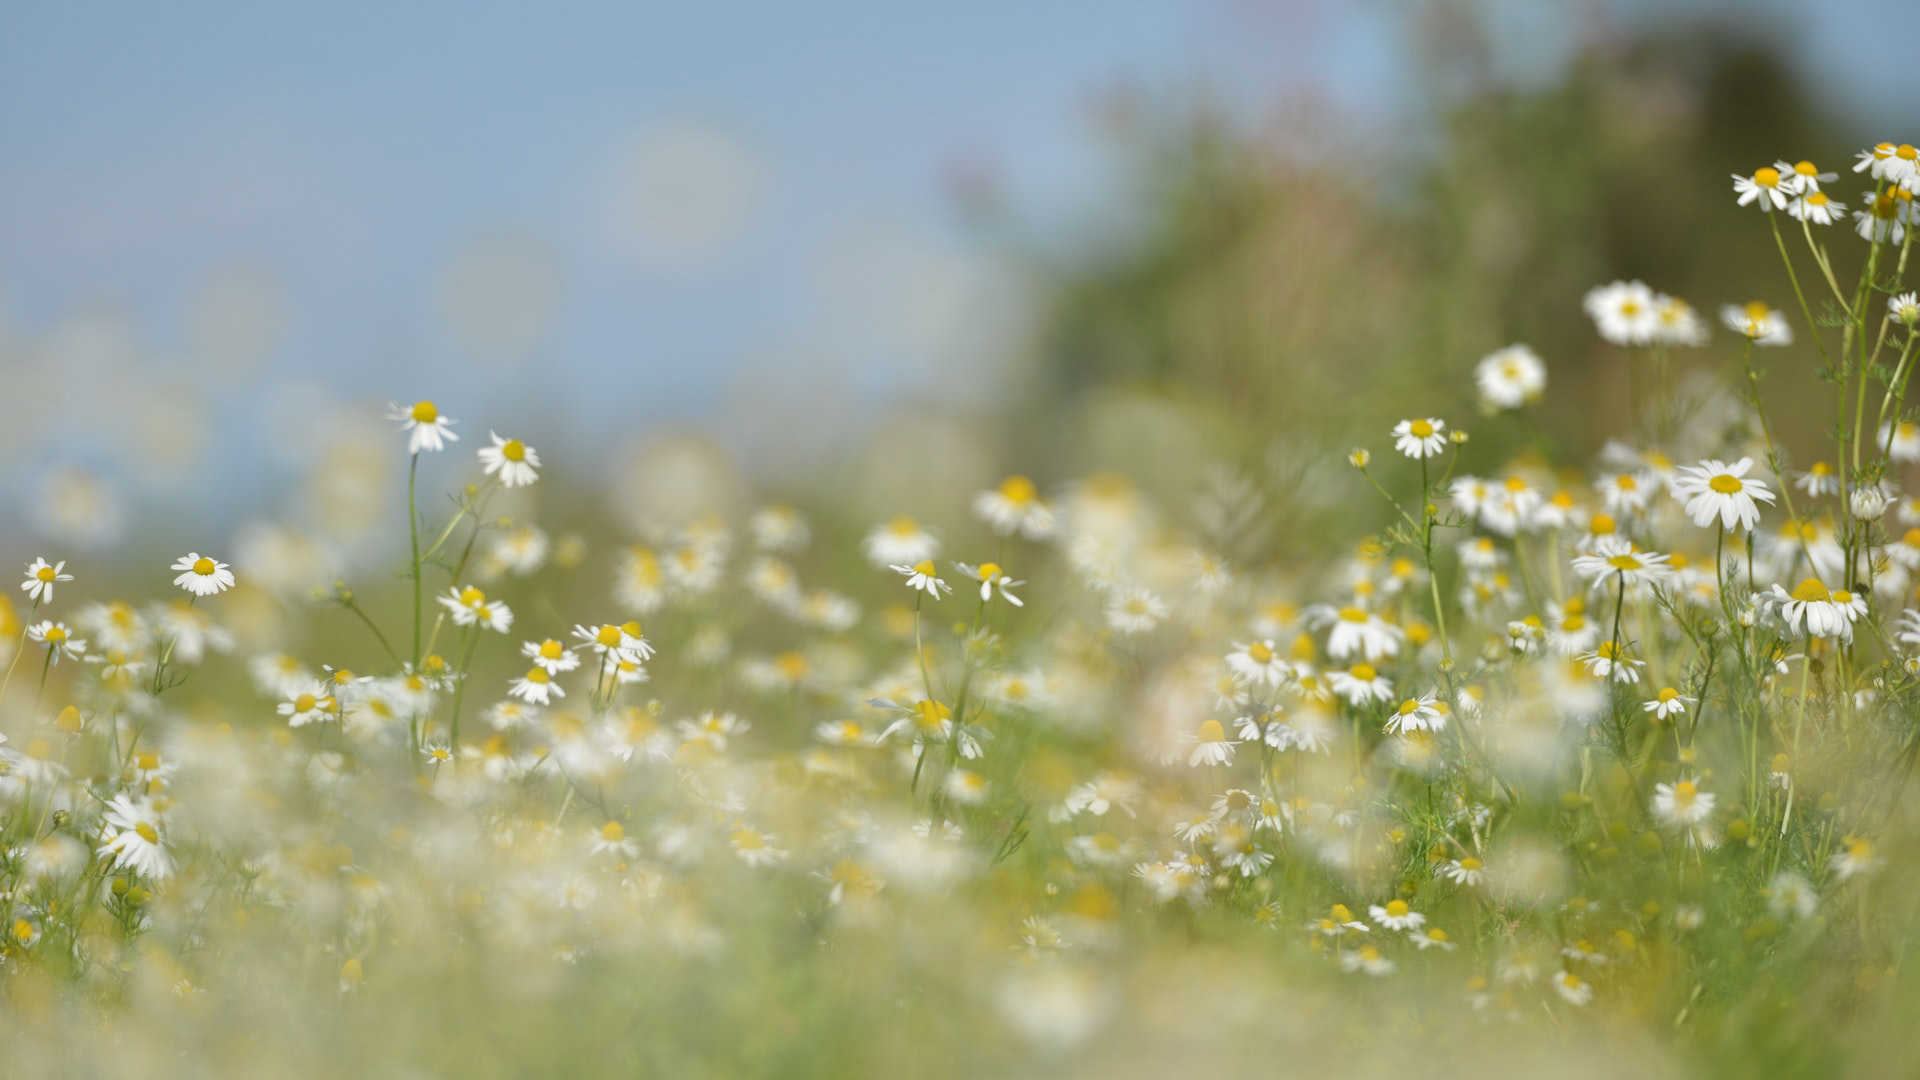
x=413, y=535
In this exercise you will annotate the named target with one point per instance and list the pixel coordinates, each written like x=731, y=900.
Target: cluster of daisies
x=1546, y=725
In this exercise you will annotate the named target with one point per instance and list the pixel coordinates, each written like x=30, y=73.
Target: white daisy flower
x=59, y=640
x=1420, y=438
x=1610, y=660
x=41, y=576
x=1469, y=871
x=1424, y=713
x=1806, y=175
x=1668, y=703
x=1767, y=188
x=1756, y=320
x=134, y=841
x=1211, y=746
x=924, y=577
x=1818, y=481
x=1396, y=915
x=1715, y=489
x=1016, y=507
x=1904, y=308
x=551, y=655
x=1682, y=803
x=536, y=687
x=1625, y=312
x=1615, y=556
x=1361, y=685
x=1258, y=664
x=1818, y=208
x=900, y=541
x=992, y=579
x=201, y=575
x=428, y=430
x=1817, y=611
x=1572, y=988
x=1354, y=630
x=306, y=708
x=1511, y=377
x=514, y=460
x=470, y=607
x=1135, y=611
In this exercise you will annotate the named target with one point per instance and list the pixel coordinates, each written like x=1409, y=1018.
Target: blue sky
x=628, y=212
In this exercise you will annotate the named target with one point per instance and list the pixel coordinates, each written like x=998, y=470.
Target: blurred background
x=694, y=254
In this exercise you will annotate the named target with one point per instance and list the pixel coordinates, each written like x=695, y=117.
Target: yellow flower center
x=56, y=634
x=1806, y=168
x=203, y=566
x=1842, y=596
x=1017, y=489
x=423, y=412
x=1668, y=693
x=612, y=832
x=791, y=664
x=550, y=649
x=147, y=833
x=1352, y=614
x=631, y=629
x=1817, y=198
x=1630, y=308
x=1602, y=525
x=1437, y=934
x=1409, y=707
x=903, y=527
x=537, y=675
x=472, y=597
x=1727, y=484
x=1469, y=863
x=1420, y=429
x=1811, y=591
x=989, y=571
x=924, y=567
x=1624, y=562
x=1397, y=908
x=931, y=715
x=1627, y=482
x=1259, y=653
x=1212, y=732
x=1363, y=672
x=1684, y=793
x=304, y=703
x=1757, y=311
x=607, y=636
x=1821, y=468
x=514, y=450
x=1767, y=177
x=1906, y=152
x=45, y=573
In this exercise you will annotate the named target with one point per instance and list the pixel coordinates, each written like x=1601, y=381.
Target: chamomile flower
x=134, y=840
x=965, y=786
x=1677, y=323
x=1625, y=312
x=1610, y=660
x=1902, y=440
x=1903, y=309
x=512, y=459
x=1767, y=187
x=1016, y=507
x=1211, y=746
x=923, y=576
x=1396, y=915
x=1258, y=664
x=1882, y=218
x=426, y=428
x=1756, y=320
x=1511, y=377
x=1668, y=703
x=1682, y=803
x=1615, y=558
x=1354, y=630
x=307, y=707
x=1715, y=489
x=626, y=641
x=1424, y=713
x=992, y=580
x=1467, y=871
x=59, y=640
x=1361, y=685
x=1572, y=988
x=1368, y=959
x=1433, y=938
x=1817, y=611
x=551, y=655
x=201, y=575
x=1855, y=859
x=1134, y=611
x=900, y=542
x=1818, y=481
x=1420, y=438
x=536, y=687
x=41, y=576
x=1806, y=175
x=470, y=607
x=1817, y=207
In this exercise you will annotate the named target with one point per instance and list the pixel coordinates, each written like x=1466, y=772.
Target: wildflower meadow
x=1537, y=765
